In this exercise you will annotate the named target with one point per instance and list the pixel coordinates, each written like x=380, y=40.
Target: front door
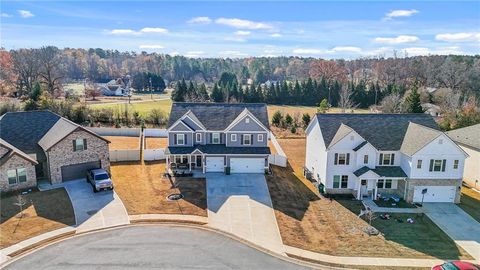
x=364, y=188
x=198, y=161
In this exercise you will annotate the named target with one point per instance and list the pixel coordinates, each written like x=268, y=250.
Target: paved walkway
x=240, y=204
x=375, y=208
x=95, y=210
x=457, y=224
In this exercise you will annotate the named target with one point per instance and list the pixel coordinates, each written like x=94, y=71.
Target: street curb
x=41, y=243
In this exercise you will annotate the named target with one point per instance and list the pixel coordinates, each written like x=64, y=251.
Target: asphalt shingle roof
x=383, y=171
x=218, y=149
x=24, y=129
x=469, y=136
x=383, y=131
x=417, y=137
x=217, y=116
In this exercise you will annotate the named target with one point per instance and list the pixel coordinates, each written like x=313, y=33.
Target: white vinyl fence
x=153, y=154
x=155, y=132
x=279, y=159
x=124, y=155
x=127, y=132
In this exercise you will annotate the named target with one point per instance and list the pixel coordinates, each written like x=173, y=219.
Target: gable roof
x=217, y=116
x=469, y=136
x=342, y=131
x=417, y=137
x=60, y=130
x=382, y=131
x=14, y=150
x=382, y=171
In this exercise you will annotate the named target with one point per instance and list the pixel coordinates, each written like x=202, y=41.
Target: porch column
x=375, y=194
x=359, y=187
x=167, y=163
x=203, y=163
x=190, y=163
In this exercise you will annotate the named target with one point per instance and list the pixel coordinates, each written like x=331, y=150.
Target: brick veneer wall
x=16, y=162
x=62, y=154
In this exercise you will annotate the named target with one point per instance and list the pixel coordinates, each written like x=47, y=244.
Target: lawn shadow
x=289, y=194
x=194, y=190
x=423, y=236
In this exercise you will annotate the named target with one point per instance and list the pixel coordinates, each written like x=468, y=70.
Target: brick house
x=57, y=149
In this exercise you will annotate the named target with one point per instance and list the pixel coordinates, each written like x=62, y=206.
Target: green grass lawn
x=311, y=110
x=470, y=202
x=143, y=107
x=423, y=236
x=77, y=88
x=400, y=204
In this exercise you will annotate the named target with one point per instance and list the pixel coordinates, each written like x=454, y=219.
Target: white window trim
x=247, y=120
x=456, y=164
x=198, y=137
x=260, y=137
x=216, y=135
x=365, y=158
x=249, y=136
x=233, y=137
x=419, y=163
x=183, y=139
x=76, y=145
x=17, y=176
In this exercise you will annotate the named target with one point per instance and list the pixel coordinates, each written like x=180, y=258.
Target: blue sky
x=327, y=29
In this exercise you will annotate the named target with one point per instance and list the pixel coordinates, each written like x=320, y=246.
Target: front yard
x=44, y=211
x=143, y=190
x=470, y=202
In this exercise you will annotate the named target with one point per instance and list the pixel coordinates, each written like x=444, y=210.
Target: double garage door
x=77, y=171
x=435, y=194
x=237, y=165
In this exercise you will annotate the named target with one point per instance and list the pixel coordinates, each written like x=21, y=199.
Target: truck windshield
x=102, y=176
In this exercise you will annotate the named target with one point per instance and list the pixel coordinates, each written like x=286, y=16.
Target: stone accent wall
x=3, y=150
x=341, y=191
x=62, y=154
x=412, y=183
x=15, y=162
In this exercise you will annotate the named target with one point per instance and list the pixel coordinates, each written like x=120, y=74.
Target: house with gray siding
x=46, y=146
x=218, y=137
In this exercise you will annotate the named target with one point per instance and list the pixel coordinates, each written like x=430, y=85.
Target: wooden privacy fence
x=124, y=155
x=279, y=159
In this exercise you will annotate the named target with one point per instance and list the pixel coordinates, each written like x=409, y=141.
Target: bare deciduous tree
x=392, y=103
x=49, y=58
x=26, y=65
x=345, y=101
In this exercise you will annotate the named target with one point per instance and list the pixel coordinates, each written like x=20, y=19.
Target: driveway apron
x=457, y=224
x=95, y=210
x=241, y=204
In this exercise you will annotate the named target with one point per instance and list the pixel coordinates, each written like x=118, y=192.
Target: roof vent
x=247, y=120
x=440, y=141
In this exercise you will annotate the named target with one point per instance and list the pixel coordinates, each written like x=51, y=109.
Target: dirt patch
x=144, y=190
x=123, y=143
x=44, y=211
x=155, y=143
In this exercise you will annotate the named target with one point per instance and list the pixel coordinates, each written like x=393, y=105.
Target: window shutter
x=443, y=165
x=185, y=139
x=251, y=139
x=84, y=144
x=392, y=160
x=241, y=139
x=175, y=139
x=431, y=164
x=336, y=159
x=348, y=158
x=74, y=146
x=380, y=161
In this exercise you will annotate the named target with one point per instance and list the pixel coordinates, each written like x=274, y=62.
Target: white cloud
x=123, y=32
x=5, y=15
x=25, y=13
x=242, y=33
x=173, y=53
x=200, y=20
x=400, y=13
x=242, y=24
x=308, y=51
x=345, y=49
x=275, y=35
x=236, y=39
x=396, y=40
x=151, y=46
x=414, y=51
x=458, y=37
x=154, y=30
x=194, y=54
x=232, y=54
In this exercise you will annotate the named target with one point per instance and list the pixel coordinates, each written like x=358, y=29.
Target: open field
x=143, y=108
x=123, y=143
x=311, y=110
x=155, y=143
x=470, y=202
x=143, y=190
x=44, y=211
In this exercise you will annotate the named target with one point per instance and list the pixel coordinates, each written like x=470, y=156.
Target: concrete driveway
x=457, y=224
x=95, y=210
x=241, y=204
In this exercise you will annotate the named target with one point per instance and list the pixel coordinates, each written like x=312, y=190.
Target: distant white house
x=118, y=87
x=370, y=154
x=431, y=109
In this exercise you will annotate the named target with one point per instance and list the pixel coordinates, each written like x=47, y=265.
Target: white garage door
x=435, y=194
x=247, y=165
x=215, y=164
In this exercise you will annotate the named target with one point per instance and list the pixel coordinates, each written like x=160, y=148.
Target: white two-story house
x=367, y=155
x=218, y=137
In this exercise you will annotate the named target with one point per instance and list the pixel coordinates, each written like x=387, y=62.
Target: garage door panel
x=247, y=165
x=214, y=164
x=435, y=194
x=77, y=171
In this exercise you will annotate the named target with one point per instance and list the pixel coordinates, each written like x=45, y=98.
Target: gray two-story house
x=218, y=137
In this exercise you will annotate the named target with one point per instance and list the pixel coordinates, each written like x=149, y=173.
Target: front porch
x=187, y=163
x=380, y=188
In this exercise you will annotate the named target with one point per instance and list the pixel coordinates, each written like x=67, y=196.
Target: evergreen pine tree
x=36, y=91
x=323, y=106
x=180, y=91
x=412, y=101
x=202, y=93
x=217, y=94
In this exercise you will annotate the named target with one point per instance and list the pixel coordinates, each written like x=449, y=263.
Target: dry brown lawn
x=155, y=143
x=273, y=150
x=143, y=190
x=123, y=142
x=294, y=148
x=44, y=211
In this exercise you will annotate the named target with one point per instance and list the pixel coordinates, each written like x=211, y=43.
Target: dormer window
x=216, y=138
x=247, y=120
x=180, y=139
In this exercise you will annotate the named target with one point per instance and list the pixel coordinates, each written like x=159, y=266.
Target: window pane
x=12, y=177
x=365, y=159
x=344, y=181
x=342, y=159
x=22, y=175
x=386, y=159
x=388, y=183
x=419, y=164
x=437, y=165
x=455, y=164
x=336, y=181
x=380, y=183
x=79, y=144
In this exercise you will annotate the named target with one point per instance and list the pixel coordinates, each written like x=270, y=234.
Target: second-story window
x=455, y=164
x=260, y=137
x=198, y=137
x=216, y=138
x=419, y=164
x=437, y=165
x=247, y=139
x=79, y=145
x=386, y=159
x=365, y=159
x=180, y=139
x=342, y=159
x=233, y=137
